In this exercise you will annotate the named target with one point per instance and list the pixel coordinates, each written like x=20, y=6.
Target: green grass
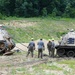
x=36, y=70
x=47, y=66
x=70, y=63
x=67, y=62
x=44, y=28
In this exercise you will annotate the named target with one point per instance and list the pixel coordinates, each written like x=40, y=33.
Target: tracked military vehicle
x=66, y=46
x=6, y=42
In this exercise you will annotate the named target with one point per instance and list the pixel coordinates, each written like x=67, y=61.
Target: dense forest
x=34, y=8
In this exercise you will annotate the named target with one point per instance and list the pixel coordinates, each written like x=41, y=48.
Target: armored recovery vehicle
x=6, y=42
x=66, y=46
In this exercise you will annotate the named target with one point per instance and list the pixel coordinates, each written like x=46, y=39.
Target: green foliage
x=44, y=12
x=13, y=72
x=2, y=17
x=72, y=13
x=24, y=9
x=31, y=8
x=54, y=12
x=60, y=34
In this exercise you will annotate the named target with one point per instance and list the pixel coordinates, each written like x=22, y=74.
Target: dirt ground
x=9, y=64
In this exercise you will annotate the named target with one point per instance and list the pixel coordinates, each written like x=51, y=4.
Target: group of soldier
x=41, y=47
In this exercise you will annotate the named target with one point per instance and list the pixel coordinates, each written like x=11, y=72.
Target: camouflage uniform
x=49, y=45
x=53, y=48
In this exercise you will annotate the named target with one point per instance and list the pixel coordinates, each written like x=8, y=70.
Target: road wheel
x=2, y=46
x=60, y=52
x=70, y=54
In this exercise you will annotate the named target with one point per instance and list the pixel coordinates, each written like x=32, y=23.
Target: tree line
x=34, y=8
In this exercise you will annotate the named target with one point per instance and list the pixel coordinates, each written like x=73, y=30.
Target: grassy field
x=38, y=27
x=65, y=66
x=22, y=30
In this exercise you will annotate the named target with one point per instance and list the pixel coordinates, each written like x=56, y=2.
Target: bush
x=72, y=13
x=60, y=34
x=44, y=12
x=2, y=17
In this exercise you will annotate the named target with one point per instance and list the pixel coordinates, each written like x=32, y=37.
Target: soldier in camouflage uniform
x=53, y=48
x=49, y=45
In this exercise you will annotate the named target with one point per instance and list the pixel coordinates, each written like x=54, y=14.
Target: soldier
x=40, y=48
x=49, y=45
x=31, y=47
x=53, y=48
